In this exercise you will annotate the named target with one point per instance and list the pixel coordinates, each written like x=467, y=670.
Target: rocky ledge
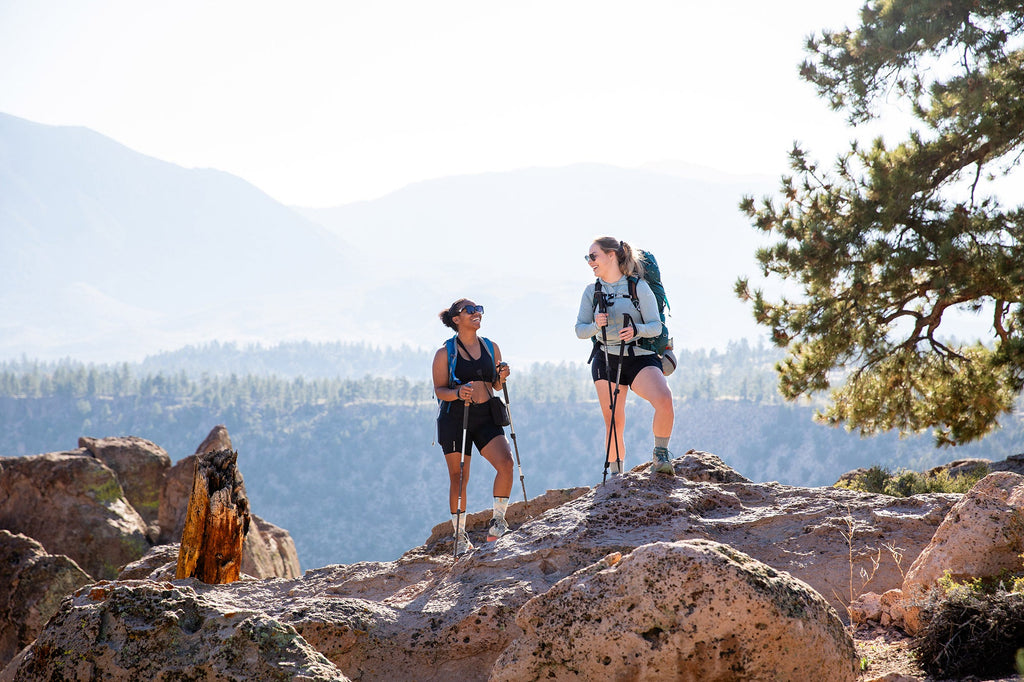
x=702, y=576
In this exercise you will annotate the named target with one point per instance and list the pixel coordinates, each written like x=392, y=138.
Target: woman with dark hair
x=607, y=311
x=466, y=371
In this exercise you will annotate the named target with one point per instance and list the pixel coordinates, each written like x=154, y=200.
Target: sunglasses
x=590, y=257
x=471, y=309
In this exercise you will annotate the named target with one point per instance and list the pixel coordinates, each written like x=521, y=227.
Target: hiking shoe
x=497, y=528
x=462, y=543
x=663, y=462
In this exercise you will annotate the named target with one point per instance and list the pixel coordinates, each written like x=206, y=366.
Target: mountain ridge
x=111, y=255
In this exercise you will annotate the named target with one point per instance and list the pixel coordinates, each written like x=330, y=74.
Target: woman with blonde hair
x=608, y=312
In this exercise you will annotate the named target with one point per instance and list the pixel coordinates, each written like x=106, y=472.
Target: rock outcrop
x=80, y=507
x=32, y=585
x=158, y=564
x=140, y=466
x=981, y=537
x=73, y=504
x=216, y=439
x=425, y=616
x=130, y=631
x=692, y=610
x=269, y=551
x=174, y=494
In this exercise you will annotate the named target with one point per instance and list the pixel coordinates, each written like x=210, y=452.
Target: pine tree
x=888, y=242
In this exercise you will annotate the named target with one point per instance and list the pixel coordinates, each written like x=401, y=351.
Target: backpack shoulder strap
x=453, y=356
x=632, y=280
x=488, y=345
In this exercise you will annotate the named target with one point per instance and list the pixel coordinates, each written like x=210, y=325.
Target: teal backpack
x=652, y=275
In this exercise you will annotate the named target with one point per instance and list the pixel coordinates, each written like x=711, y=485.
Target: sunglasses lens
x=471, y=309
x=590, y=257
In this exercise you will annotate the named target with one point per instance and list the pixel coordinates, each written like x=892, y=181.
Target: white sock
x=459, y=522
x=500, y=507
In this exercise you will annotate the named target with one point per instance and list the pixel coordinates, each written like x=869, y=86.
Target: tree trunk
x=216, y=521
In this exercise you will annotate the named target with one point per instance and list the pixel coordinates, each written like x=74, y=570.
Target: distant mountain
x=515, y=241
x=107, y=254
x=105, y=251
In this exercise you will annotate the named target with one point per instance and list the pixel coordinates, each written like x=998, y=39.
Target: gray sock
x=660, y=442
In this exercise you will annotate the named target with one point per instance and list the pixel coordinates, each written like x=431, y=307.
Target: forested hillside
x=345, y=461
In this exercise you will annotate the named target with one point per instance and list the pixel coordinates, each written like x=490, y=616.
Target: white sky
x=321, y=102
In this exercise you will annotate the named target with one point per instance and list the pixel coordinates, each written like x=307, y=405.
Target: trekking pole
x=462, y=461
x=613, y=428
x=602, y=307
x=515, y=444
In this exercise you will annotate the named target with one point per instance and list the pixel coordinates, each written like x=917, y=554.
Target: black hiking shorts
x=482, y=429
x=631, y=366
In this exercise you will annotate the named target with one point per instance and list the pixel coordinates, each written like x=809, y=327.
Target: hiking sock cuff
x=500, y=507
x=660, y=442
x=459, y=521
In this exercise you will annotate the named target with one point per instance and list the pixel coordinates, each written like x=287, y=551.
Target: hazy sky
x=323, y=102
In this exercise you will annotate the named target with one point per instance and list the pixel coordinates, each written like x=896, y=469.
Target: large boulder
x=140, y=467
x=74, y=505
x=216, y=440
x=981, y=537
x=691, y=610
x=269, y=551
x=32, y=585
x=159, y=563
x=1013, y=464
x=696, y=465
x=133, y=630
x=177, y=486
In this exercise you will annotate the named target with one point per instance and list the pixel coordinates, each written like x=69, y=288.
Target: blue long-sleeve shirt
x=619, y=302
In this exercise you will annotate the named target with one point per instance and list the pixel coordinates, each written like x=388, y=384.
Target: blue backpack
x=453, y=357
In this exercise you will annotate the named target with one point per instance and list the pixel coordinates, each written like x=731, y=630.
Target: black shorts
x=631, y=366
x=482, y=429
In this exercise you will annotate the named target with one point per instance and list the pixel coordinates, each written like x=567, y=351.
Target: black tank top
x=481, y=369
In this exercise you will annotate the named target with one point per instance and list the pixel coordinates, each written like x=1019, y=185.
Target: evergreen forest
x=335, y=441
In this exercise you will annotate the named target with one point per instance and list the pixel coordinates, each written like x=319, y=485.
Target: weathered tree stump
x=216, y=521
